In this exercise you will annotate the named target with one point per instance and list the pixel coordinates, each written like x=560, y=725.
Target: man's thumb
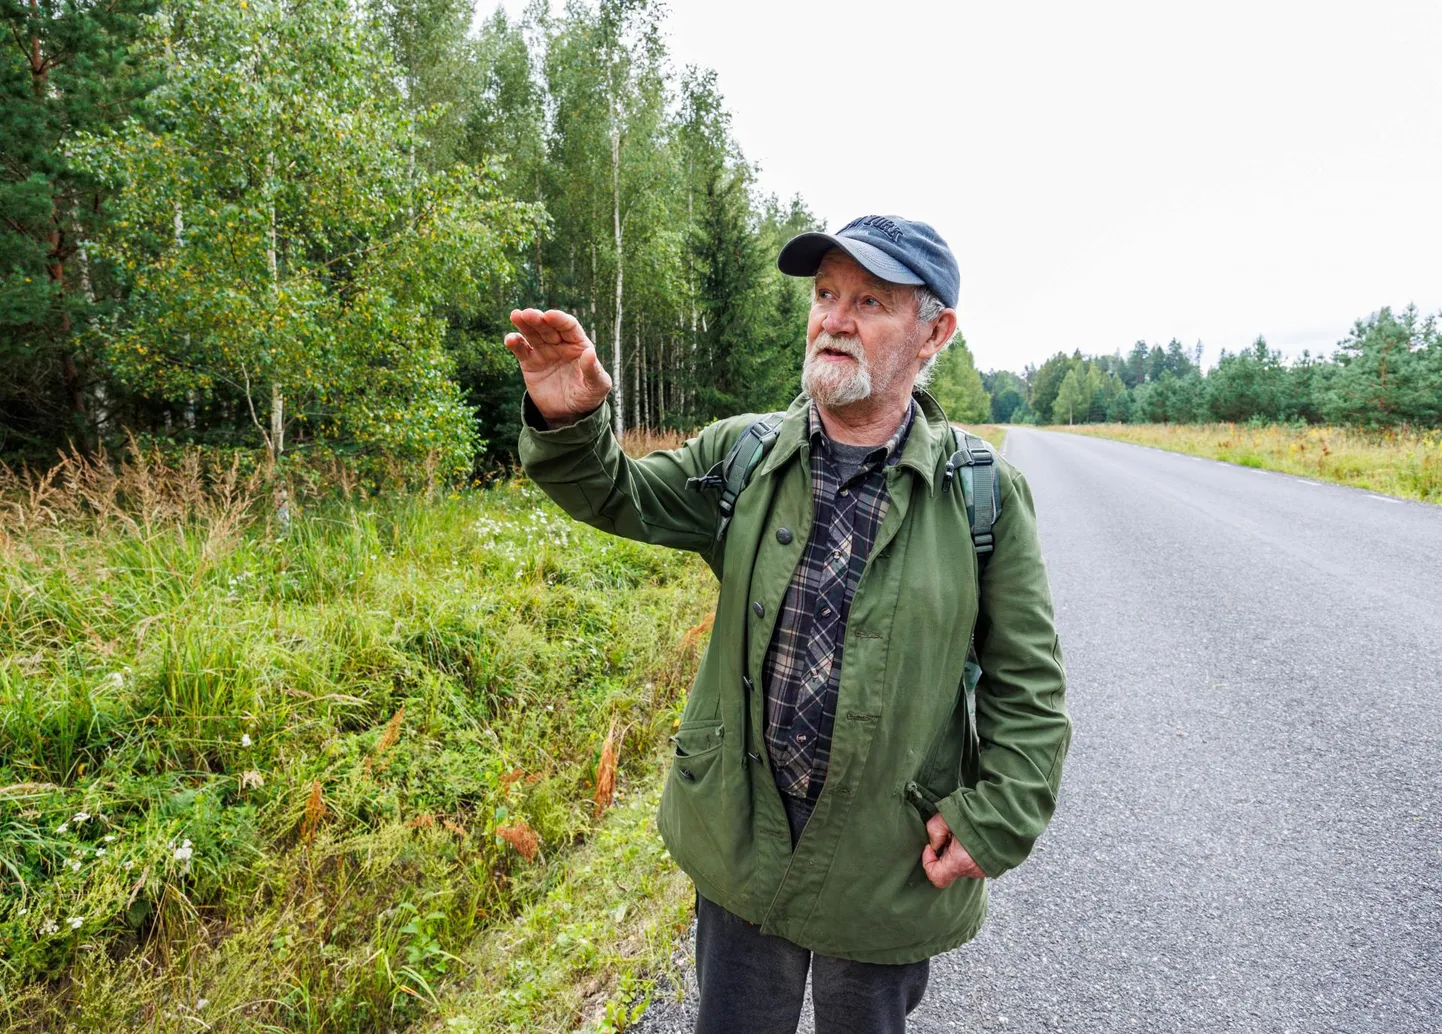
x=937, y=833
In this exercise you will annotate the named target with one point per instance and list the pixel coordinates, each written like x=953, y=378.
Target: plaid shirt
x=802, y=670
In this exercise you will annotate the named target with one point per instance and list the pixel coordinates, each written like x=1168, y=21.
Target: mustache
x=846, y=345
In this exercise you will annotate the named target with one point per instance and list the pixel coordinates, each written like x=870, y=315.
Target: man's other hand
x=563, y=374
x=944, y=859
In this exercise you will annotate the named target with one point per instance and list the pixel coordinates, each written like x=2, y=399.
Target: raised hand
x=563, y=374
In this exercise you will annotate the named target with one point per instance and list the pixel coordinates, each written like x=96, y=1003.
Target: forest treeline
x=296, y=229
x=1386, y=372
x=299, y=227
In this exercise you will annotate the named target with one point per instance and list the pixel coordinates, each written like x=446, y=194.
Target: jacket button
x=783, y=536
x=758, y=609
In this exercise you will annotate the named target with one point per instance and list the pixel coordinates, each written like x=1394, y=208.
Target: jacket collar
x=928, y=444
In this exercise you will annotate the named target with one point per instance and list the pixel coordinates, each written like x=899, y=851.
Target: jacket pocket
x=696, y=747
x=695, y=817
x=925, y=801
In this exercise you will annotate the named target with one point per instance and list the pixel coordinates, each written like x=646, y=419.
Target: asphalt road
x=1249, y=836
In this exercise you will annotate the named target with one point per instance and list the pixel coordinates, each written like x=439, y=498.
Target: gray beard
x=832, y=387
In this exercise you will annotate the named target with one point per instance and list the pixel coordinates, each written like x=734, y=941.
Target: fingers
x=533, y=327
x=936, y=869
x=944, y=869
x=552, y=327
x=565, y=326
x=937, y=832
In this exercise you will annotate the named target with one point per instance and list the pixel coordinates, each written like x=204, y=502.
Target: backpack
x=980, y=487
x=980, y=490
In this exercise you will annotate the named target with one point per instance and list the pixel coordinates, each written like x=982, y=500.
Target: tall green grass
x=252, y=773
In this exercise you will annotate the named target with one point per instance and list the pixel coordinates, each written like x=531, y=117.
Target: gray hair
x=928, y=308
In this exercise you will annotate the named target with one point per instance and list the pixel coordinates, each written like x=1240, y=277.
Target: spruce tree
x=70, y=71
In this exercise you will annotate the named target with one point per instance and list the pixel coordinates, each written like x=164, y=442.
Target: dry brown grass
x=606, y=771
x=638, y=441
x=522, y=837
x=1397, y=461
x=149, y=488
x=142, y=490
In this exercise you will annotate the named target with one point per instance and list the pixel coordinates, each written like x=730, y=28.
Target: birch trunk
x=277, y=396
x=620, y=271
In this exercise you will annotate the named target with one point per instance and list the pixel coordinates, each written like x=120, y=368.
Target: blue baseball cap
x=897, y=250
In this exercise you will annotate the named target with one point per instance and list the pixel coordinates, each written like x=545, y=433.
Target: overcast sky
x=1111, y=171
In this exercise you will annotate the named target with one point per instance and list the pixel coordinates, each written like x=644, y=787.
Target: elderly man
x=838, y=794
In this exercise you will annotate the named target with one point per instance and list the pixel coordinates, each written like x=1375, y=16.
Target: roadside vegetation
x=343, y=772
x=1394, y=461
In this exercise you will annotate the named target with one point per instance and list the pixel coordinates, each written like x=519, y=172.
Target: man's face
x=861, y=336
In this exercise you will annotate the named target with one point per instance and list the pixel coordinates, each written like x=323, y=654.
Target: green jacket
x=904, y=744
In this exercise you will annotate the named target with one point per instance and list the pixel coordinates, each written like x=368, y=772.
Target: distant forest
x=1386, y=372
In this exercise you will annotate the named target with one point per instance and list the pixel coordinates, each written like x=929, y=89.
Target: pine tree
x=70, y=72
x=957, y=386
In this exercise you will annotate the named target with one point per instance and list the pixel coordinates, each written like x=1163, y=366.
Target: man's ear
x=943, y=329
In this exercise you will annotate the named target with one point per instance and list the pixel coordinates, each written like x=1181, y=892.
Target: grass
x=1398, y=462
x=334, y=774
x=994, y=433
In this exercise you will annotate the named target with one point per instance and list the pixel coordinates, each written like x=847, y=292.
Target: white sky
x=1111, y=171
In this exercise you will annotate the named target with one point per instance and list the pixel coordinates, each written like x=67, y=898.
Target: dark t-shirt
x=849, y=458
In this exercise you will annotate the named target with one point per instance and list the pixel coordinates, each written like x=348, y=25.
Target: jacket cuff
x=952, y=811
x=588, y=428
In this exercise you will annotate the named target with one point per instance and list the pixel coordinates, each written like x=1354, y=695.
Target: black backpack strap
x=980, y=487
x=731, y=474
x=981, y=490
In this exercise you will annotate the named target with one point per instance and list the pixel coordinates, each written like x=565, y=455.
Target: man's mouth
x=832, y=353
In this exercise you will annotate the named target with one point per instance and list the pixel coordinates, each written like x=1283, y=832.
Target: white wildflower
x=75, y=922
x=201, y=1003
x=184, y=852
x=115, y=680
x=81, y=817
x=63, y=828
x=245, y=739
x=129, y=864
x=48, y=927
x=74, y=865
x=99, y=851
x=251, y=779
x=109, y=838
x=23, y=911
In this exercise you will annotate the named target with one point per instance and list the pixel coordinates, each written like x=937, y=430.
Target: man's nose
x=839, y=321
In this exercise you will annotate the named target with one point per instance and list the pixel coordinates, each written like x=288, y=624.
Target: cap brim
x=802, y=257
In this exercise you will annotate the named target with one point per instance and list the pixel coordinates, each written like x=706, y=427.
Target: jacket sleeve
x=581, y=467
x=1021, y=712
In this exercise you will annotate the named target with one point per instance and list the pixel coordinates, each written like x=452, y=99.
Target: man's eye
x=871, y=301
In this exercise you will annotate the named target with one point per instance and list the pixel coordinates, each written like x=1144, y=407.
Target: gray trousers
x=755, y=983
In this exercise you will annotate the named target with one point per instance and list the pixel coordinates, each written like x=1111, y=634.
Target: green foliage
x=67, y=69
x=1388, y=371
x=268, y=772
x=279, y=249
x=957, y=385
x=1250, y=384
x=1046, y=384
